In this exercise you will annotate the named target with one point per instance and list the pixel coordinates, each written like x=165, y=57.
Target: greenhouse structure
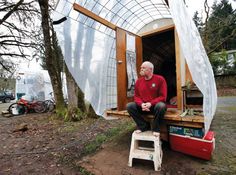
x=104, y=42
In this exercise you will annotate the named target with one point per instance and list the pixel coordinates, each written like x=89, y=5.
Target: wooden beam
x=121, y=69
x=158, y=30
x=188, y=76
x=178, y=72
x=92, y=15
x=139, y=53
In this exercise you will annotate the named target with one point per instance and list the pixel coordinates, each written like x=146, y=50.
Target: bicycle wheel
x=39, y=107
x=50, y=106
x=16, y=109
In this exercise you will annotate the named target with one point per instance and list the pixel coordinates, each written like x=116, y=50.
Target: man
x=150, y=96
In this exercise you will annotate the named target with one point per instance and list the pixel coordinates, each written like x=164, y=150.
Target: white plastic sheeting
x=196, y=58
x=89, y=47
x=86, y=52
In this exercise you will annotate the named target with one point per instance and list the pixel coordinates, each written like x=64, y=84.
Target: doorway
x=159, y=48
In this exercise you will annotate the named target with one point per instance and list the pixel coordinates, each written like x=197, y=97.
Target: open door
x=122, y=78
x=161, y=47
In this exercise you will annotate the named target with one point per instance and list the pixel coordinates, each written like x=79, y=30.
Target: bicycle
x=50, y=104
x=24, y=106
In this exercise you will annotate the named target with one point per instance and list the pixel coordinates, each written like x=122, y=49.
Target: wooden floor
x=170, y=115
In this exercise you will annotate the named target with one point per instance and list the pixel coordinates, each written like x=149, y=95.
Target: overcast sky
x=198, y=5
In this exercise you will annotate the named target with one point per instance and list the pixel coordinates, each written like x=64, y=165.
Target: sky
x=29, y=65
x=198, y=5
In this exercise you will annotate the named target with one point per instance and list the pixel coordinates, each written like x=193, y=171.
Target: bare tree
x=51, y=56
x=207, y=12
x=18, y=32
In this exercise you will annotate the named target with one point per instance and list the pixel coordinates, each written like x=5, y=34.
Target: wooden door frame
x=177, y=59
x=122, y=79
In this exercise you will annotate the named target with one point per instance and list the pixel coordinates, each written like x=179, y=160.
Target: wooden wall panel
x=139, y=53
x=188, y=75
x=178, y=72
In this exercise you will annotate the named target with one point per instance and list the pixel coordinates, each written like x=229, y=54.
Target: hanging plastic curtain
x=196, y=58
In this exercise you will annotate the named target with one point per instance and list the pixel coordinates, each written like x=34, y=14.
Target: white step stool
x=153, y=154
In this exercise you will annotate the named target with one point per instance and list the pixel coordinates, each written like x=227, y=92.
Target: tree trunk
x=72, y=89
x=75, y=95
x=50, y=58
x=91, y=112
x=75, y=98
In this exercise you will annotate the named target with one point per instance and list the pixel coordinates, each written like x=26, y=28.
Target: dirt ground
x=51, y=146
x=113, y=159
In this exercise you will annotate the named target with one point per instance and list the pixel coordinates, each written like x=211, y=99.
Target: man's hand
x=146, y=106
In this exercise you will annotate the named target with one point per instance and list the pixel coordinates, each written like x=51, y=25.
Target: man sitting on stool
x=149, y=98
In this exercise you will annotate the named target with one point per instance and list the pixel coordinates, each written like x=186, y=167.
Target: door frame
x=122, y=79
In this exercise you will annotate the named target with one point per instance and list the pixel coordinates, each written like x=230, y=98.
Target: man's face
x=145, y=70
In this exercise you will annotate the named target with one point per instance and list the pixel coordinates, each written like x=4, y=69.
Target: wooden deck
x=170, y=115
x=172, y=118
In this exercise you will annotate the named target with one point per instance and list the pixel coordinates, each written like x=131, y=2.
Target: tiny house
x=104, y=42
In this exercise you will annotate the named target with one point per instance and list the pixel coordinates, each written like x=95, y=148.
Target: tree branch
x=11, y=11
x=14, y=54
x=221, y=42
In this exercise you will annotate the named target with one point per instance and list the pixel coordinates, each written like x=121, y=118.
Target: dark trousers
x=136, y=113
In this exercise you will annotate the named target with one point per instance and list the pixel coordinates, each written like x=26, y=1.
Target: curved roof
x=130, y=15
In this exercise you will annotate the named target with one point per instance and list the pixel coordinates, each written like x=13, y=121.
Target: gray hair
x=149, y=64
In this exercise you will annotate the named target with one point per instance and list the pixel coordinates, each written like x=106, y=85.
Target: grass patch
x=71, y=159
x=83, y=171
x=229, y=108
x=109, y=135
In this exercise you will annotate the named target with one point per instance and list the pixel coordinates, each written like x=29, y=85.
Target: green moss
x=111, y=134
x=83, y=171
x=61, y=112
x=74, y=114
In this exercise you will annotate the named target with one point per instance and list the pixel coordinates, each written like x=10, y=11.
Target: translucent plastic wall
x=196, y=58
x=87, y=52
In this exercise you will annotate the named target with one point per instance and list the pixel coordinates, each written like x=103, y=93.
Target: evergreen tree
x=198, y=21
x=221, y=32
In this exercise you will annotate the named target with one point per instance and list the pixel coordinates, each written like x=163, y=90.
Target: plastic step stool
x=146, y=153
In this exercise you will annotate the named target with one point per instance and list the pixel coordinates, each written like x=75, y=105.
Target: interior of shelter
x=159, y=48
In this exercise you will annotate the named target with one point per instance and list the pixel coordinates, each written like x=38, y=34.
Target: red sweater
x=153, y=90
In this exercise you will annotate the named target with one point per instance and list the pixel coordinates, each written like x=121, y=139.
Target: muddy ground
x=51, y=146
